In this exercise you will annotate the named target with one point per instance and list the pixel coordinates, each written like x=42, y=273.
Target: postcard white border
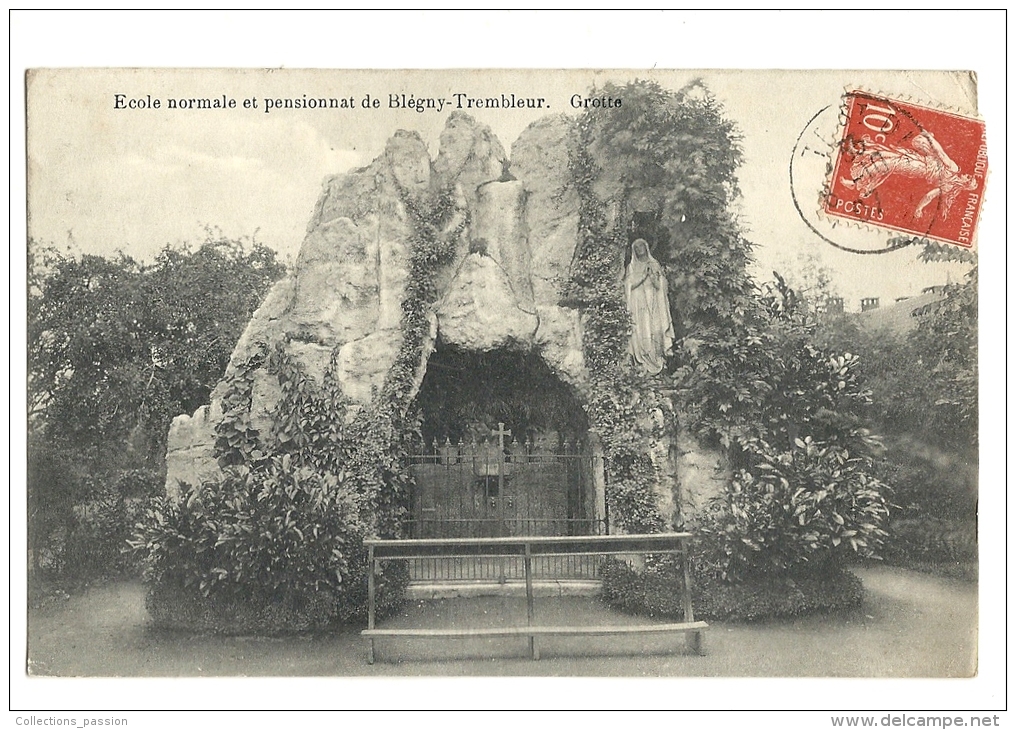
x=533, y=39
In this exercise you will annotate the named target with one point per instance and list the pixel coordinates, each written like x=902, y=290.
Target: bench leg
x=371, y=567
x=695, y=642
x=534, y=651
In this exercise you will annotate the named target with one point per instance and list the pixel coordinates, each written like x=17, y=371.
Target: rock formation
x=503, y=287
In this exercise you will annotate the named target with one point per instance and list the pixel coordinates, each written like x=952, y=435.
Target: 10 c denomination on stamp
x=909, y=168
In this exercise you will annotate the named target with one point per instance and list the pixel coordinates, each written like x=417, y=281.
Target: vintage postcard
x=659, y=373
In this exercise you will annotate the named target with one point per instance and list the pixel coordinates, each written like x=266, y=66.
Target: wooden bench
x=527, y=548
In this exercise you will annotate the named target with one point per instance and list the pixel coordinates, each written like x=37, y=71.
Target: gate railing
x=515, y=489
x=503, y=568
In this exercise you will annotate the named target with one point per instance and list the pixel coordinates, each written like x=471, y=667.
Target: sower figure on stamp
x=645, y=289
x=875, y=163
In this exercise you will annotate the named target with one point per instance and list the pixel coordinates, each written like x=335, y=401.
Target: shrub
x=932, y=540
x=929, y=481
x=656, y=591
x=808, y=505
x=97, y=543
x=775, y=544
x=277, y=547
x=84, y=537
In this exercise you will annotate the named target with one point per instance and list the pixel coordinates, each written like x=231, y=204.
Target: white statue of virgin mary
x=645, y=289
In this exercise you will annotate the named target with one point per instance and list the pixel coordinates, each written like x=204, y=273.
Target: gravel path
x=911, y=625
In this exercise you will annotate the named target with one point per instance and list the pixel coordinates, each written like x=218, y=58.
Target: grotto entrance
x=505, y=450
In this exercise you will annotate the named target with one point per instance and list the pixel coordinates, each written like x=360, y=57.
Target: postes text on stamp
x=909, y=168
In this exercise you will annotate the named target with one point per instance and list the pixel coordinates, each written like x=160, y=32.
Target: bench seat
x=538, y=631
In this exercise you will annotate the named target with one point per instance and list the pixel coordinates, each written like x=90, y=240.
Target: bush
x=84, y=536
x=656, y=591
x=273, y=548
x=928, y=481
x=256, y=612
x=800, y=509
x=932, y=540
x=96, y=546
x=53, y=490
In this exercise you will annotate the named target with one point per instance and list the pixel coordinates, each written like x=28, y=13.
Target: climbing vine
x=620, y=400
x=677, y=147
x=744, y=375
x=237, y=440
x=387, y=428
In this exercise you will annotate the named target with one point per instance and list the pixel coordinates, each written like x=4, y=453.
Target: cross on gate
x=501, y=432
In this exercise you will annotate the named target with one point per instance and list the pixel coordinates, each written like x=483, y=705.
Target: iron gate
x=495, y=490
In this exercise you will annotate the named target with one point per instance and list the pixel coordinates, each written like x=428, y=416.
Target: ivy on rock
x=746, y=375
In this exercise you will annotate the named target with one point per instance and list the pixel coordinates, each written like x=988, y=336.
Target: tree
x=923, y=385
x=945, y=342
x=811, y=280
x=791, y=416
x=116, y=349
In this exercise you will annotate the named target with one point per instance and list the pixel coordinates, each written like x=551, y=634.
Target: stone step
x=432, y=590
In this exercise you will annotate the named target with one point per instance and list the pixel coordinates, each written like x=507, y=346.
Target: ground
x=911, y=625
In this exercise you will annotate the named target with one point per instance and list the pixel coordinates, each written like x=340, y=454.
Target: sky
x=103, y=178
x=109, y=182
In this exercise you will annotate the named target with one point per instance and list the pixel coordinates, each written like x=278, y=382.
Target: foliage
x=806, y=504
x=300, y=494
x=680, y=146
x=619, y=399
x=933, y=540
x=924, y=399
x=929, y=481
x=79, y=523
x=791, y=415
x=116, y=348
x=281, y=536
x=767, y=378
x=283, y=528
x=252, y=529
x=655, y=592
x=53, y=492
x=96, y=542
x=746, y=374
x=923, y=381
x=946, y=342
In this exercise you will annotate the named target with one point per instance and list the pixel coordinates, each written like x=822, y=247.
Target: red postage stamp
x=909, y=168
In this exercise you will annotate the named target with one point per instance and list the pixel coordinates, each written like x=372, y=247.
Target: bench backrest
x=464, y=547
